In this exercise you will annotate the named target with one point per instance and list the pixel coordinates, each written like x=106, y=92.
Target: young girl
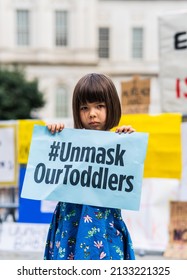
x=83, y=232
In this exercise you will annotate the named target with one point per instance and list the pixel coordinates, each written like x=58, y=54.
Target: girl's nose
x=92, y=113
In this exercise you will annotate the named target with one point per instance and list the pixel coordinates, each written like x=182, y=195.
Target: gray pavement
x=12, y=255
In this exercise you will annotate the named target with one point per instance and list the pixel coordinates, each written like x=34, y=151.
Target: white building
x=58, y=41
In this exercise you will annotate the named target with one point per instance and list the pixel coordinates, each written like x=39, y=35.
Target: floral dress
x=82, y=232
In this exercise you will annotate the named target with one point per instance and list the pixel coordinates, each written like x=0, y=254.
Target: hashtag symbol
x=54, y=151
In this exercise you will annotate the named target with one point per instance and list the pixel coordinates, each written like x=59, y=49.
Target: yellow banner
x=164, y=155
x=25, y=128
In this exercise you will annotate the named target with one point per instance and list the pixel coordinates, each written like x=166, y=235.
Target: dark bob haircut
x=96, y=88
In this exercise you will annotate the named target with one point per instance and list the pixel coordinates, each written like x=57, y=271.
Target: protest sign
x=99, y=168
x=8, y=152
x=177, y=245
x=25, y=128
x=183, y=181
x=23, y=237
x=135, y=96
x=29, y=211
x=163, y=159
x=173, y=53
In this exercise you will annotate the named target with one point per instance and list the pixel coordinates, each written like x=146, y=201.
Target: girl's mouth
x=93, y=123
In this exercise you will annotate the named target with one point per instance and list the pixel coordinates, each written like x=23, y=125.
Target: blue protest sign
x=30, y=210
x=99, y=168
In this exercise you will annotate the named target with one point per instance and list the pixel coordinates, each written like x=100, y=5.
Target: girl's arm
x=125, y=129
x=55, y=127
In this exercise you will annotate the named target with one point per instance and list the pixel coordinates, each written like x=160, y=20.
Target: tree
x=18, y=97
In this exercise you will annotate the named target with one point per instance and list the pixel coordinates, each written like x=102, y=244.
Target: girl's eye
x=83, y=108
x=100, y=106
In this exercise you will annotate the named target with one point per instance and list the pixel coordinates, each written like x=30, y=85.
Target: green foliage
x=18, y=97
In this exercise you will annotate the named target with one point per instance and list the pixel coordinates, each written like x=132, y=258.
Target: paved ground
x=10, y=255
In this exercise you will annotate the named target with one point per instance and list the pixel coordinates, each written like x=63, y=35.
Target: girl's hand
x=55, y=127
x=125, y=129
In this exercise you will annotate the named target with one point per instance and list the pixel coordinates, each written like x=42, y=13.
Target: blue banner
x=100, y=168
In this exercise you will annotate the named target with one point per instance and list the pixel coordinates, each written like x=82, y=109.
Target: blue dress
x=82, y=232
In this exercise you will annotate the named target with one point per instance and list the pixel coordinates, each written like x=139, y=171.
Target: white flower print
x=57, y=244
x=102, y=255
x=51, y=244
x=87, y=219
x=98, y=244
x=71, y=256
x=111, y=224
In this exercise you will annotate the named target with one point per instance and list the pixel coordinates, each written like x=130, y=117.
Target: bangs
x=91, y=91
x=91, y=96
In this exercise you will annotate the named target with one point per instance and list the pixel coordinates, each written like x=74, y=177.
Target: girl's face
x=93, y=115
